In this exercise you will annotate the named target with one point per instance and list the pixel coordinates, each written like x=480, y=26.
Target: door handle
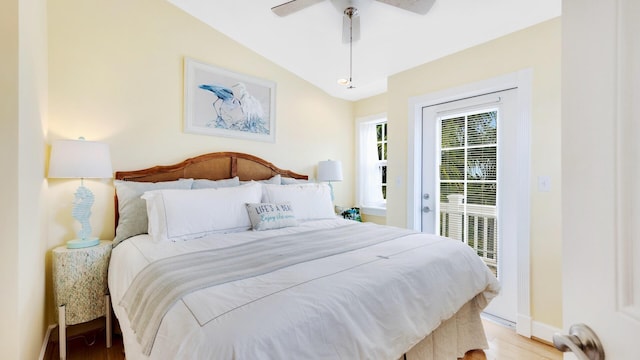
x=582, y=341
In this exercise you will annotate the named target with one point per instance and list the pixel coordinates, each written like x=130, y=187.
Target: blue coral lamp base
x=82, y=243
x=81, y=211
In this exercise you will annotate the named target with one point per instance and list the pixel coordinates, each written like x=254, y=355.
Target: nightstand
x=80, y=287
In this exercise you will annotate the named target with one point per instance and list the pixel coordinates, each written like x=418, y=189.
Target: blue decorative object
x=352, y=214
x=81, y=211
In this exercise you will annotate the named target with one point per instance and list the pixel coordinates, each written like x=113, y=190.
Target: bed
x=227, y=256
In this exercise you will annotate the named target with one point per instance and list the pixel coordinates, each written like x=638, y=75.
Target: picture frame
x=221, y=102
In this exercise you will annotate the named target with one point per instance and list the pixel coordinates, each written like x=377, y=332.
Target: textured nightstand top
x=80, y=281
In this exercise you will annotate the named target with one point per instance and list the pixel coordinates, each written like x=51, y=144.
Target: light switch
x=544, y=183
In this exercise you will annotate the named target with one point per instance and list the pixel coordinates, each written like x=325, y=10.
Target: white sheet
x=375, y=311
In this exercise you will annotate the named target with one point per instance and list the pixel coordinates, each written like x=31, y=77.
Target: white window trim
x=367, y=210
x=374, y=211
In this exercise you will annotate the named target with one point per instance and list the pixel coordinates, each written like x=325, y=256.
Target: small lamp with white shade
x=84, y=160
x=330, y=170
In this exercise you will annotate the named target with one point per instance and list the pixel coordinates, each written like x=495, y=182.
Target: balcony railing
x=475, y=225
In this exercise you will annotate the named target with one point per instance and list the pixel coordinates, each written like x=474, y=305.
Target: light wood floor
x=504, y=344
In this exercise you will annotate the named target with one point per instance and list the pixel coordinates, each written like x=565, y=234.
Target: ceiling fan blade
x=355, y=23
x=417, y=6
x=292, y=6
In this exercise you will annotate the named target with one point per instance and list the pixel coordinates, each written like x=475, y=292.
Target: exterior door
x=470, y=183
x=601, y=171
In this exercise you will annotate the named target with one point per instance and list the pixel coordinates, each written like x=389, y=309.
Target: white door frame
x=522, y=80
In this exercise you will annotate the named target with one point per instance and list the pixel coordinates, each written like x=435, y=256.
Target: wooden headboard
x=212, y=166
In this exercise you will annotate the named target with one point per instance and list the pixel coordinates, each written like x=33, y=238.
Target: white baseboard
x=543, y=331
x=523, y=325
x=526, y=327
x=45, y=342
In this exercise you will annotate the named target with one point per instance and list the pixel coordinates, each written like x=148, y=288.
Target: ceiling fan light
x=344, y=82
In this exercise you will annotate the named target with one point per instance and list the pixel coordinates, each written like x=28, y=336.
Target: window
x=468, y=181
x=372, y=165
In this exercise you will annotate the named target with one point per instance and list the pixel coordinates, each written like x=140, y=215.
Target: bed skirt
x=454, y=337
x=449, y=341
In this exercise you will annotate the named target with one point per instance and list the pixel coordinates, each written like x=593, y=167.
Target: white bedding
x=372, y=303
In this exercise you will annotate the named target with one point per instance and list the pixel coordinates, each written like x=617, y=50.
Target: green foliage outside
x=469, y=155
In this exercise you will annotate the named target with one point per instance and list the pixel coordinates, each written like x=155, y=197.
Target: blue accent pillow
x=266, y=216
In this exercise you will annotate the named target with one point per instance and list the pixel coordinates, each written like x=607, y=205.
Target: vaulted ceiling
x=309, y=42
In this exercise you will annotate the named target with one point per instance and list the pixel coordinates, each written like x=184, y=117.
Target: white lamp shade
x=80, y=159
x=330, y=170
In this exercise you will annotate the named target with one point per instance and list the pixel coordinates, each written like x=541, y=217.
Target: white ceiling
x=309, y=42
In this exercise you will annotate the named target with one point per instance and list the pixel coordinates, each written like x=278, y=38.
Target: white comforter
x=372, y=303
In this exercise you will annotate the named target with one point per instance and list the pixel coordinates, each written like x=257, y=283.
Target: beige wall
x=32, y=187
x=537, y=48
x=9, y=232
x=22, y=218
x=116, y=75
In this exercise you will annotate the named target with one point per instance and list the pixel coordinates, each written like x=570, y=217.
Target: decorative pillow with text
x=266, y=216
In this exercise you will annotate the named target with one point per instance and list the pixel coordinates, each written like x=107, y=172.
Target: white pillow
x=208, y=184
x=266, y=216
x=292, y=181
x=189, y=214
x=132, y=209
x=275, y=179
x=310, y=201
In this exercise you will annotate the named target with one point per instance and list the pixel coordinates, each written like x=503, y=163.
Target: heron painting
x=236, y=109
x=220, y=102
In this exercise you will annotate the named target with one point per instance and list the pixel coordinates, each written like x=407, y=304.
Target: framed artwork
x=224, y=103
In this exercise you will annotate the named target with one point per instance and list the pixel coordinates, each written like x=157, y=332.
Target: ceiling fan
x=351, y=20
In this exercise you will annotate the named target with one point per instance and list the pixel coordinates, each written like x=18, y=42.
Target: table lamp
x=84, y=160
x=330, y=170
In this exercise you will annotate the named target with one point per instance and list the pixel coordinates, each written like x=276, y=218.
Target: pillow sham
x=292, y=181
x=214, y=184
x=189, y=214
x=266, y=216
x=132, y=210
x=273, y=180
x=310, y=201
